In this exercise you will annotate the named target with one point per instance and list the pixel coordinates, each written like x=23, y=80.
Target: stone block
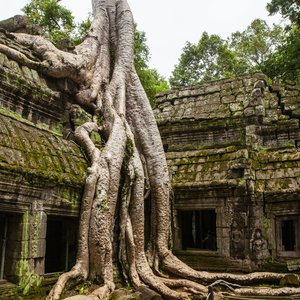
x=249, y=82
x=17, y=249
x=290, y=279
x=237, y=114
x=237, y=84
x=37, y=248
x=212, y=88
x=228, y=99
x=273, y=113
x=221, y=112
x=296, y=113
x=234, y=107
x=260, y=84
x=167, y=109
x=282, y=185
x=172, y=96
x=161, y=99
x=42, y=225
x=164, y=104
x=39, y=266
x=3, y=59
x=291, y=93
x=36, y=77
x=225, y=233
x=198, y=91
x=14, y=66
x=273, y=101
x=226, y=85
x=260, y=110
x=184, y=93
x=225, y=92
x=238, y=91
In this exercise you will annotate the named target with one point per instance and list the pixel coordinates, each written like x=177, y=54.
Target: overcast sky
x=170, y=23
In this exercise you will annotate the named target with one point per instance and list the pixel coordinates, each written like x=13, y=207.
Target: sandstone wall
x=41, y=173
x=232, y=146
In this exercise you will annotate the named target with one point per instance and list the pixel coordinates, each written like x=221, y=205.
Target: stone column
x=38, y=227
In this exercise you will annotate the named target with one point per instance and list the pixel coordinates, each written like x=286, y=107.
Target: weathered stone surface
x=233, y=149
x=293, y=264
x=26, y=150
x=126, y=294
x=290, y=280
x=28, y=93
x=41, y=174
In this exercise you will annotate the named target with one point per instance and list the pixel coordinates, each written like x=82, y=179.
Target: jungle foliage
x=274, y=50
x=57, y=23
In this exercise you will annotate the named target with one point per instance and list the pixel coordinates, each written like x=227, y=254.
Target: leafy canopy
x=150, y=78
x=287, y=8
x=57, y=23
x=209, y=59
x=255, y=44
x=284, y=63
x=215, y=58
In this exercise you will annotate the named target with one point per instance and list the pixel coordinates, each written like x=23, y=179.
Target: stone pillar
x=254, y=113
x=38, y=227
x=177, y=233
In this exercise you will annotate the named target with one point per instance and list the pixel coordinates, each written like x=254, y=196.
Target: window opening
x=288, y=235
x=60, y=244
x=198, y=229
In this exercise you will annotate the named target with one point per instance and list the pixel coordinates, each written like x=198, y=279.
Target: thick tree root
x=57, y=290
x=173, y=265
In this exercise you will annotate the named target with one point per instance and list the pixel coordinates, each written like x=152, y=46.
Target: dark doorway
x=3, y=242
x=288, y=235
x=198, y=229
x=61, y=241
x=10, y=244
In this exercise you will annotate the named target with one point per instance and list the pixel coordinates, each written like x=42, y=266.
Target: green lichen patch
x=39, y=155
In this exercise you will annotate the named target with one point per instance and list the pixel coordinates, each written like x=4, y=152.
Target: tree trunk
x=110, y=89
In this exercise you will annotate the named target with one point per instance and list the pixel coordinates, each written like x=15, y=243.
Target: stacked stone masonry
x=41, y=172
x=232, y=151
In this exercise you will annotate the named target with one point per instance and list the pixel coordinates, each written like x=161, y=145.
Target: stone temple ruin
x=232, y=150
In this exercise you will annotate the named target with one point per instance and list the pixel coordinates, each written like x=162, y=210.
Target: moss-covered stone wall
x=42, y=172
x=38, y=155
x=26, y=92
x=232, y=146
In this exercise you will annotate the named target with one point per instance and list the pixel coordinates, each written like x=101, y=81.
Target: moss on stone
x=39, y=155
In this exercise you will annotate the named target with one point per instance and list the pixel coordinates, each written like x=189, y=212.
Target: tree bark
x=103, y=67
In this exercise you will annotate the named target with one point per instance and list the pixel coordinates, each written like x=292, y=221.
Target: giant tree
x=284, y=63
x=150, y=78
x=208, y=59
x=124, y=169
x=256, y=43
x=213, y=58
x=287, y=8
x=56, y=21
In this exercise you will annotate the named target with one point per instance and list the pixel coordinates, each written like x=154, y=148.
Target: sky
x=169, y=24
